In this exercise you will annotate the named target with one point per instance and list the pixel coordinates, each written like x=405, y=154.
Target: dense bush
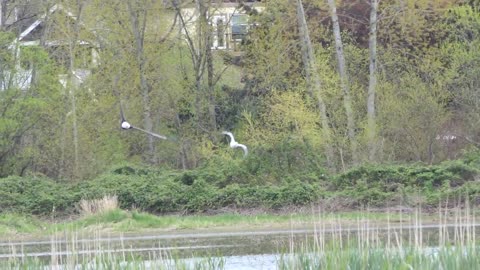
x=35, y=195
x=234, y=184
x=456, y=172
x=378, y=184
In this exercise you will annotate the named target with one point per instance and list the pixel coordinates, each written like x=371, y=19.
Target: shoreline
x=122, y=222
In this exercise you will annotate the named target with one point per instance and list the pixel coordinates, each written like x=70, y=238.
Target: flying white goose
x=235, y=144
x=126, y=125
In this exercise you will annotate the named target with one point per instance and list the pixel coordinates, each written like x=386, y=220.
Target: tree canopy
x=288, y=104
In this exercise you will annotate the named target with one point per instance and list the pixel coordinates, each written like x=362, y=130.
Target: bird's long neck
x=232, y=140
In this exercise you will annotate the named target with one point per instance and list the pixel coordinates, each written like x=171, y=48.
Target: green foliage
x=234, y=184
x=267, y=196
x=33, y=195
x=6, y=61
x=16, y=223
x=462, y=24
x=428, y=61
x=193, y=191
x=376, y=185
x=410, y=115
x=30, y=105
x=270, y=64
x=112, y=216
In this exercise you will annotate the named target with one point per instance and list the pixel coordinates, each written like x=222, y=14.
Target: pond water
x=238, y=250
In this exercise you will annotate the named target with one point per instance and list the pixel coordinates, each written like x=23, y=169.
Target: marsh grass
x=360, y=243
x=70, y=252
x=406, y=245
x=117, y=262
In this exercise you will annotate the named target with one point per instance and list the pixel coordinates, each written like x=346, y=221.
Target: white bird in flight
x=126, y=125
x=235, y=144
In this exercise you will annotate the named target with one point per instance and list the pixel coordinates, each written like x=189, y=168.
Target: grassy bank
x=132, y=221
x=119, y=221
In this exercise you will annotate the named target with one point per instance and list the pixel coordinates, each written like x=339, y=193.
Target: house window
x=239, y=26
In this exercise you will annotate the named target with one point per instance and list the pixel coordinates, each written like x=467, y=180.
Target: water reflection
x=238, y=250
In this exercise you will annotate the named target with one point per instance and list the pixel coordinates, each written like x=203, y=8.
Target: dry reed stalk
x=105, y=204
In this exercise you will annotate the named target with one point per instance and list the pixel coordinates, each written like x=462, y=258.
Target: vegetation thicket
x=352, y=103
x=236, y=186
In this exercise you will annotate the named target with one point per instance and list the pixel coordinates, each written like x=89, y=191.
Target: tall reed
x=105, y=204
x=412, y=244
x=72, y=251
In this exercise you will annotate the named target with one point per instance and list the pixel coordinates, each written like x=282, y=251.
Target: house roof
x=36, y=23
x=30, y=29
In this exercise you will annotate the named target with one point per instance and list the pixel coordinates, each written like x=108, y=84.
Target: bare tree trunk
x=313, y=80
x=372, y=46
x=139, y=35
x=344, y=81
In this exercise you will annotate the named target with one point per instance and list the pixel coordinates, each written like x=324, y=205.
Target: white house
x=86, y=53
x=230, y=22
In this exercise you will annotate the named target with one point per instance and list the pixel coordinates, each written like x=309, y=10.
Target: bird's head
x=126, y=125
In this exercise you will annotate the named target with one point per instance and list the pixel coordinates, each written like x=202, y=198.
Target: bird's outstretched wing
x=151, y=133
x=234, y=144
x=123, y=120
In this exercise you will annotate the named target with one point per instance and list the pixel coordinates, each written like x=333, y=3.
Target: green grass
x=14, y=223
x=133, y=221
x=126, y=221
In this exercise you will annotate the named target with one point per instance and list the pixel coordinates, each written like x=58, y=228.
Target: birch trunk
x=372, y=45
x=138, y=29
x=313, y=80
x=344, y=81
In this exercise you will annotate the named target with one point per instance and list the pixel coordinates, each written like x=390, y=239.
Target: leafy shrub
x=238, y=183
x=377, y=184
x=39, y=196
x=297, y=193
x=373, y=175
x=200, y=196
